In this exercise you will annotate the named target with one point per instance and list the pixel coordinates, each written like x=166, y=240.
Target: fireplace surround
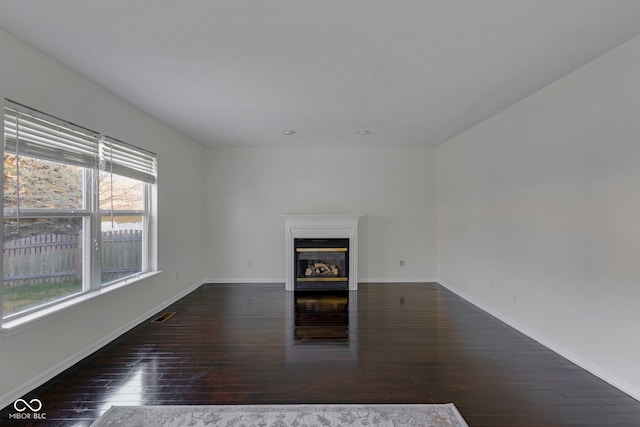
x=321, y=239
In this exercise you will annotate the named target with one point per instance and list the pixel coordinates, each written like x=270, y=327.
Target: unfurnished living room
x=366, y=211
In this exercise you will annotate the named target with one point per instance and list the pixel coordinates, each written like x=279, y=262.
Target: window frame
x=145, y=213
x=144, y=171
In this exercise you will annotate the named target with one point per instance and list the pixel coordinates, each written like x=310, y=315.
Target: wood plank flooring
x=405, y=343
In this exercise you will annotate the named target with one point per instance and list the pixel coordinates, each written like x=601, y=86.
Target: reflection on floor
x=321, y=318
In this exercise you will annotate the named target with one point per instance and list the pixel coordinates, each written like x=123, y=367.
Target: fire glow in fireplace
x=321, y=264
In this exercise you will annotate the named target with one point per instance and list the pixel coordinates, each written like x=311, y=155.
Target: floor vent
x=164, y=317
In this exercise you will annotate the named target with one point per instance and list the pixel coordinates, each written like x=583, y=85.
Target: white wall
x=539, y=215
x=248, y=190
x=32, y=355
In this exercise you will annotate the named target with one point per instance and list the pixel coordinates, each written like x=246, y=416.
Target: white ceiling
x=240, y=72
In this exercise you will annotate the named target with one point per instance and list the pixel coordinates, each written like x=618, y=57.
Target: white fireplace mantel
x=321, y=227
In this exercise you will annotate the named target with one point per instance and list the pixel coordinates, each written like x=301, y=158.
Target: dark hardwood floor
x=399, y=343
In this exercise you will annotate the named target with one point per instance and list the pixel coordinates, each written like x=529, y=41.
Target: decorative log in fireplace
x=321, y=264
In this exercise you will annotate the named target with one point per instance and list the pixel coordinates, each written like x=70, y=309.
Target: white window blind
x=35, y=134
x=32, y=133
x=123, y=159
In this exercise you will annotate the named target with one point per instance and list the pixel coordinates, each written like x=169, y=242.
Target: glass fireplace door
x=321, y=264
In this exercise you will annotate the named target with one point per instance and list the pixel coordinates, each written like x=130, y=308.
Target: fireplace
x=321, y=264
x=331, y=241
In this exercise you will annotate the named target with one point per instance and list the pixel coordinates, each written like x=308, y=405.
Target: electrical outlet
x=401, y=263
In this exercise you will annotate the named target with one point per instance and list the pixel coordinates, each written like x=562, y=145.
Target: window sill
x=10, y=327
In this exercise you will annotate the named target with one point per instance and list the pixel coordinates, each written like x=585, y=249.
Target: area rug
x=445, y=415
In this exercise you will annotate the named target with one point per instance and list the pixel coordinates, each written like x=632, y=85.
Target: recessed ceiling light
x=288, y=132
x=364, y=132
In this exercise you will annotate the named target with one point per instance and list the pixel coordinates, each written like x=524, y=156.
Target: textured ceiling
x=240, y=72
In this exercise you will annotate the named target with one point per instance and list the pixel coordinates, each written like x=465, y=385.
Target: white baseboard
x=396, y=280
x=603, y=374
x=245, y=280
x=281, y=280
x=10, y=396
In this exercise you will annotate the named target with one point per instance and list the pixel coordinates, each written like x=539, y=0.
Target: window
x=76, y=210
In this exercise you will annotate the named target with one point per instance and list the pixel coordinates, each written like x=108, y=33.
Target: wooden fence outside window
x=55, y=258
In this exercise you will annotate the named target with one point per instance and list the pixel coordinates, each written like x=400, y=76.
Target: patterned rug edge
x=122, y=416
